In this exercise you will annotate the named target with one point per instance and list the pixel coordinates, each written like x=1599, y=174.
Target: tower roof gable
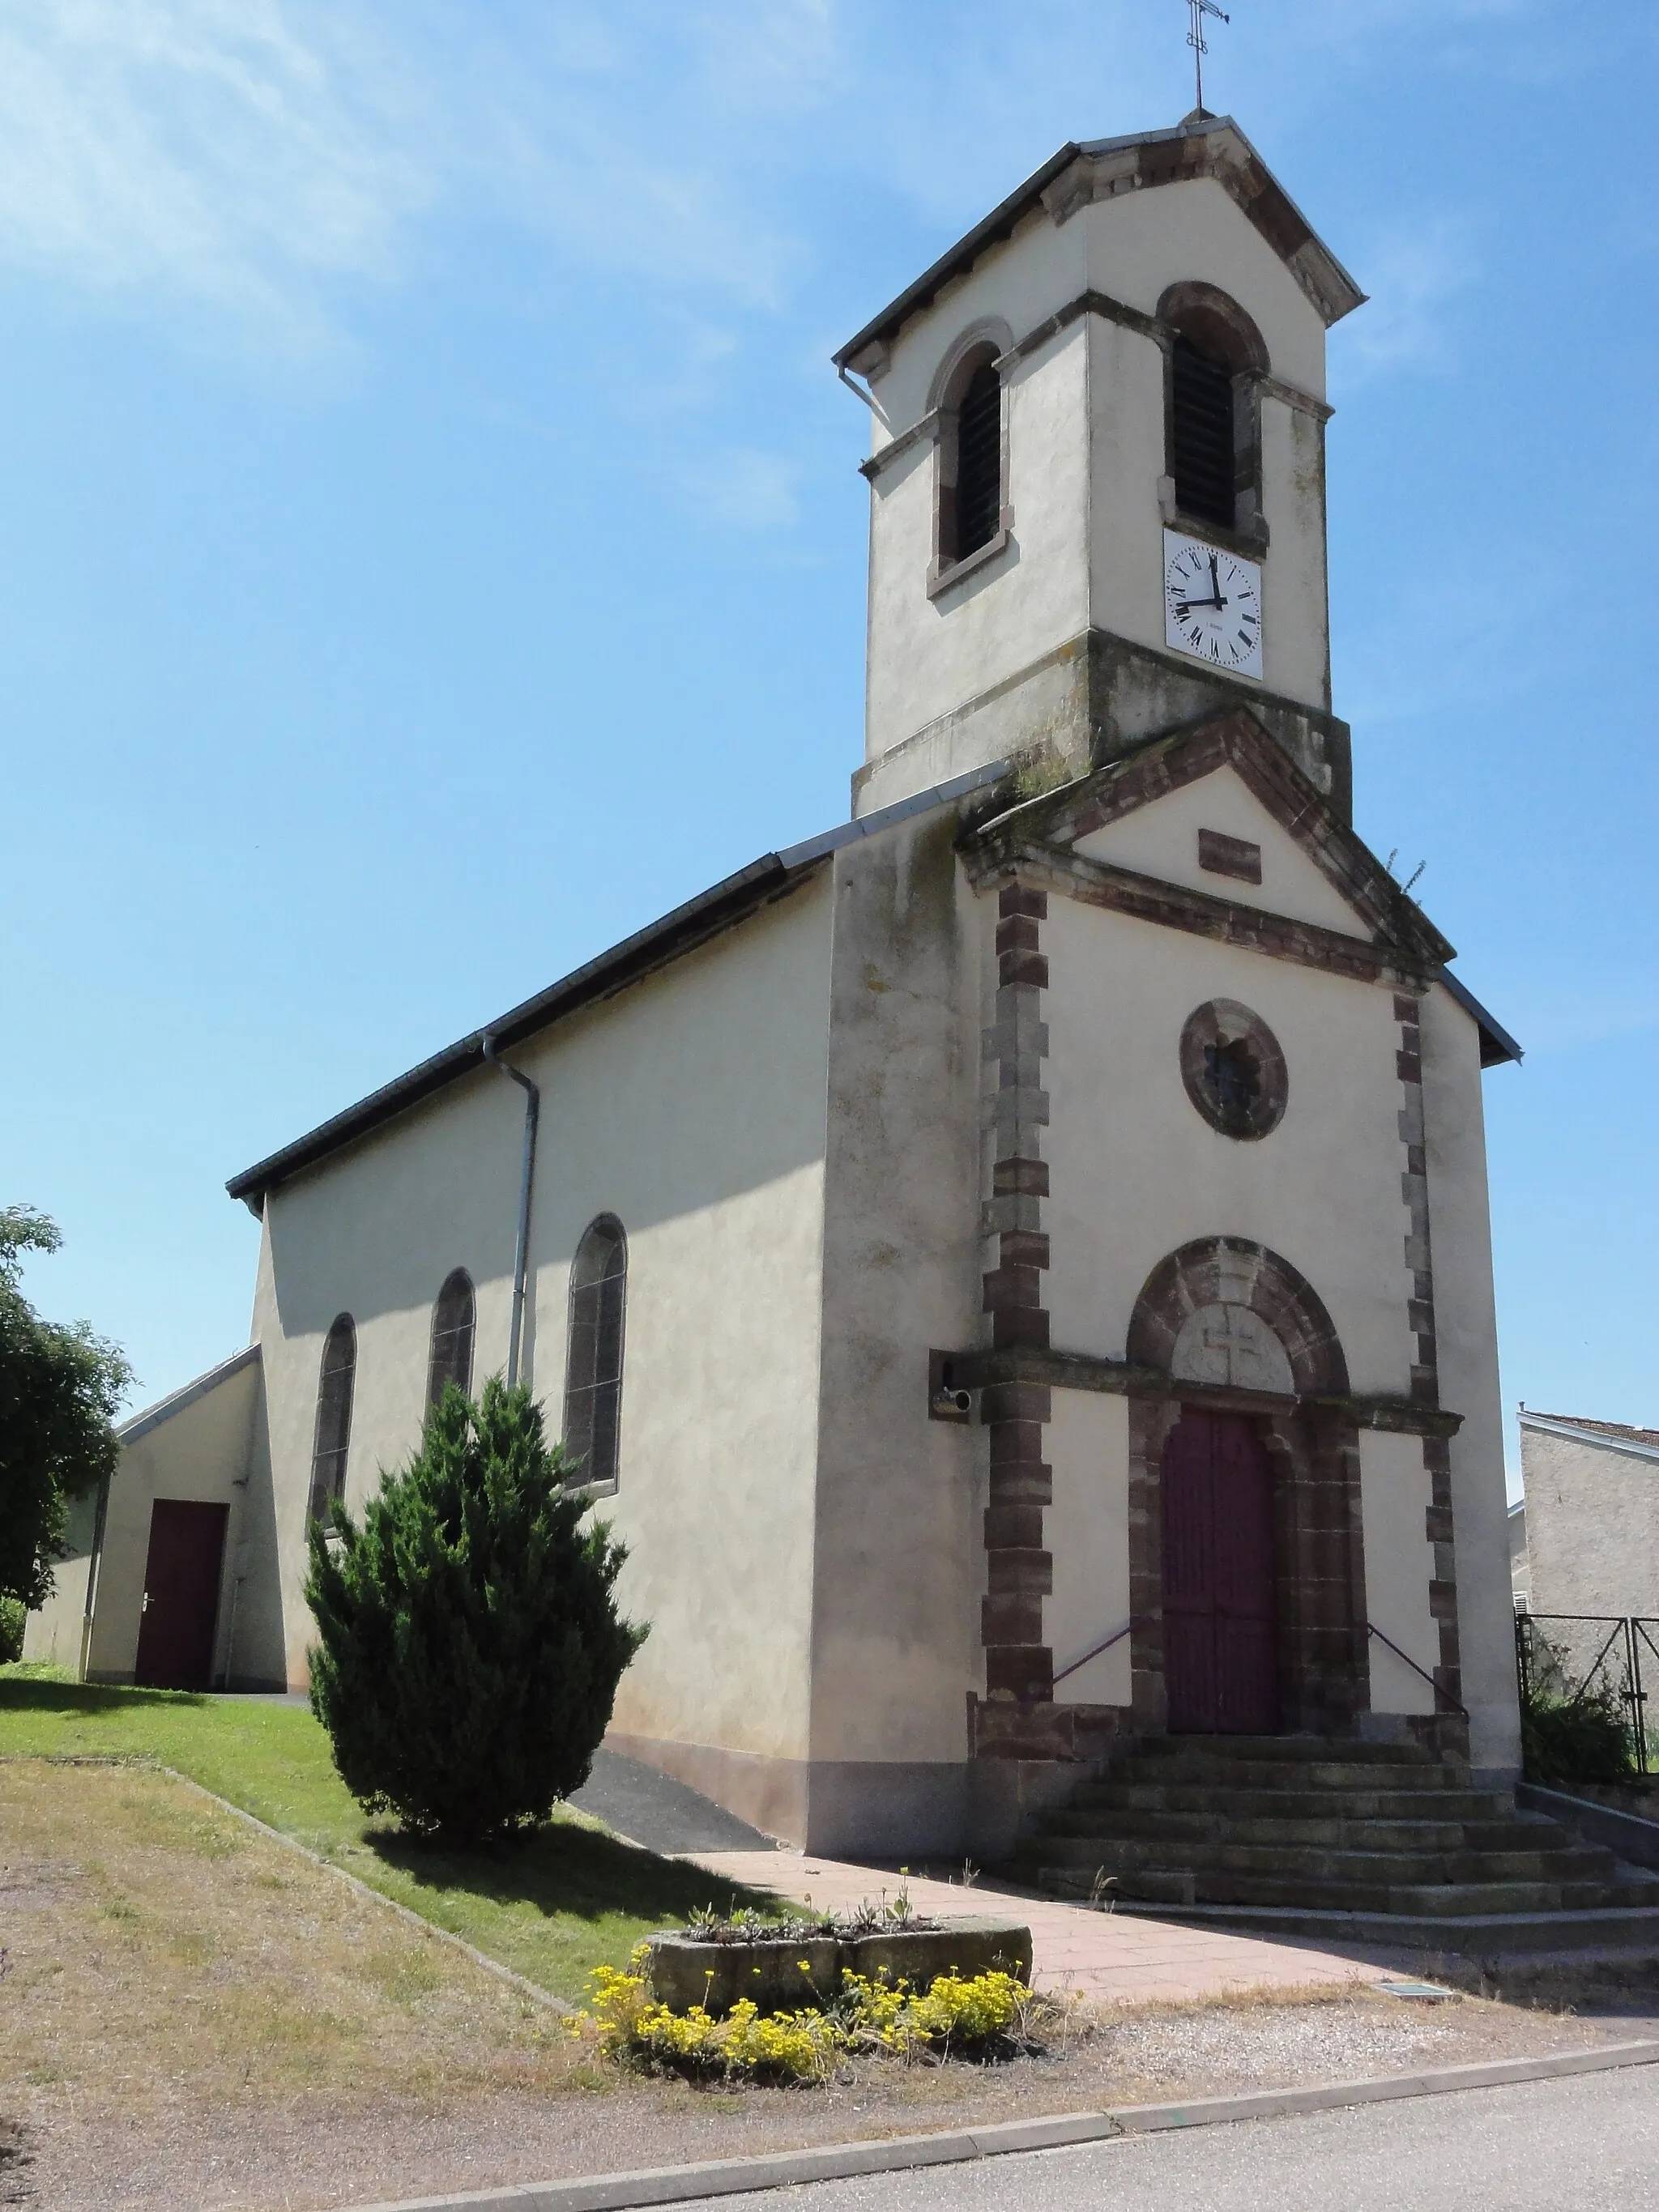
x=1101, y=168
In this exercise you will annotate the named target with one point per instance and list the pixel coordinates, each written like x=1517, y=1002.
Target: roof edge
x=724, y=904
x=129, y=1431
x=1264, y=201
x=1497, y=1046
x=1553, y=1425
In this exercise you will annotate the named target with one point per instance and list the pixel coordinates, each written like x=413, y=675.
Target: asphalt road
x=1589, y=2144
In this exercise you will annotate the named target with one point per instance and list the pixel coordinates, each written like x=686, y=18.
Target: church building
x=1016, y=1267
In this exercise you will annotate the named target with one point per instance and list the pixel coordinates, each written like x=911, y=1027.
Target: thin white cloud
x=258, y=164
x=252, y=163
x=212, y=152
x=1412, y=275
x=745, y=489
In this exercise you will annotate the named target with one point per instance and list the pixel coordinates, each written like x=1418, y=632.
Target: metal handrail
x=1439, y=1688
x=1116, y=1636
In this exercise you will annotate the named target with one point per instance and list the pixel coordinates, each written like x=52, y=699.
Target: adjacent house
x=1590, y=1518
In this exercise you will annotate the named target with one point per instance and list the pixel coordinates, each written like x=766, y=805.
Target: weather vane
x=1196, y=40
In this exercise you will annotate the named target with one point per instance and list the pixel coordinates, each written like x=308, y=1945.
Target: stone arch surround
x=1319, y=1545
x=1234, y=1271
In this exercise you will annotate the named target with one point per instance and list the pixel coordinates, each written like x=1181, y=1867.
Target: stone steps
x=1298, y=1826
x=1321, y=1863
x=1626, y=1936
x=1441, y=1804
x=1325, y=1832
x=1169, y=1885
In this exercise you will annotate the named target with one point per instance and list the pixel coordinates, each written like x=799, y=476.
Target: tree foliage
x=60, y=1387
x=469, y=1645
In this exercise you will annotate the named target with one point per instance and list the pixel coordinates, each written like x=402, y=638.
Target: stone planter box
x=962, y=1947
x=681, y=1973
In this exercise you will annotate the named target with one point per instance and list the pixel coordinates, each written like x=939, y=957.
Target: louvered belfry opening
x=979, y=462
x=1203, y=452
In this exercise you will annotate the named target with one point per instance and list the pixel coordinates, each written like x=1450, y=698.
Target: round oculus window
x=1233, y=1069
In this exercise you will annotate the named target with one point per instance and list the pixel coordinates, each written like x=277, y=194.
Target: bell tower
x=1098, y=478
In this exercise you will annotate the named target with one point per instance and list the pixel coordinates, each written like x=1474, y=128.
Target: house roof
x=1097, y=168
x=720, y=907
x=1237, y=736
x=1613, y=1436
x=140, y=1423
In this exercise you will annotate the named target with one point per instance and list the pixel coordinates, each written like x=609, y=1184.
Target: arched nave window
x=592, y=1386
x=454, y=1317
x=333, y=1438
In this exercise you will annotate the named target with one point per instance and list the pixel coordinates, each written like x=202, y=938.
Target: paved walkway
x=1108, y=1957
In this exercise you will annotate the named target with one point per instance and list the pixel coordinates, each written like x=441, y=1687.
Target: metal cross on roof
x=1196, y=38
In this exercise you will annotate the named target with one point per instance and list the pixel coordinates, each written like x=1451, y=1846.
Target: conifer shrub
x=469, y=1643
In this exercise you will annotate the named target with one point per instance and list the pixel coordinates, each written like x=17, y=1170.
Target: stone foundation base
x=885, y=1810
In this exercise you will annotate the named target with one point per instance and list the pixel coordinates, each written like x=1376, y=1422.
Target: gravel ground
x=193, y=2017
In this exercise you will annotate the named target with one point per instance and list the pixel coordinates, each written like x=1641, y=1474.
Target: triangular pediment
x=1220, y=812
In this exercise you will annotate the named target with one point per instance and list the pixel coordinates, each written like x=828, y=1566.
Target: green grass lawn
x=572, y=1899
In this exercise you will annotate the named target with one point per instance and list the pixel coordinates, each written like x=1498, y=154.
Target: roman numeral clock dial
x=1211, y=604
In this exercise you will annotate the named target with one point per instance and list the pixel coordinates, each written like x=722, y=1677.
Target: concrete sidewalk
x=1112, y=1958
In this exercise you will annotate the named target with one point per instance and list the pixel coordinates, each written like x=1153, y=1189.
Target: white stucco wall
x=1394, y=1488
x=373, y=1232
x=1087, y=1531
x=1136, y=1172
x=52, y=1634
x=900, y=1564
x=693, y=1109
x=927, y=656
x=1466, y=1325
x=691, y=1106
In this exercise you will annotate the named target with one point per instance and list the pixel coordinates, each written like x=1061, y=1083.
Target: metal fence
x=1583, y=1655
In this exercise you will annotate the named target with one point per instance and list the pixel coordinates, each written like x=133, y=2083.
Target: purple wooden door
x=1218, y=1641
x=181, y=1594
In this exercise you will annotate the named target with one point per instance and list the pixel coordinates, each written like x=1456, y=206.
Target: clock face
x=1211, y=604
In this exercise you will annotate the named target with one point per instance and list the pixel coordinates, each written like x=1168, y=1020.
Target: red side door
x=1219, y=1644
x=181, y=1594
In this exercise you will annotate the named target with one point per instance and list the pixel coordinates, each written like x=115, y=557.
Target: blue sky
x=430, y=545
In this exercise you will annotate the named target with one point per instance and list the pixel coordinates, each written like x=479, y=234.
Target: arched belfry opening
x=1216, y=358
x=971, y=511
x=1248, y=1568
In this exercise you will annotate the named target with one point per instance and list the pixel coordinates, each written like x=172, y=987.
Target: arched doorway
x=1247, y=1553
x=1220, y=1641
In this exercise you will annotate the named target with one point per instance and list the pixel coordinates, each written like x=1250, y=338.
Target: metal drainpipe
x=532, y=1107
